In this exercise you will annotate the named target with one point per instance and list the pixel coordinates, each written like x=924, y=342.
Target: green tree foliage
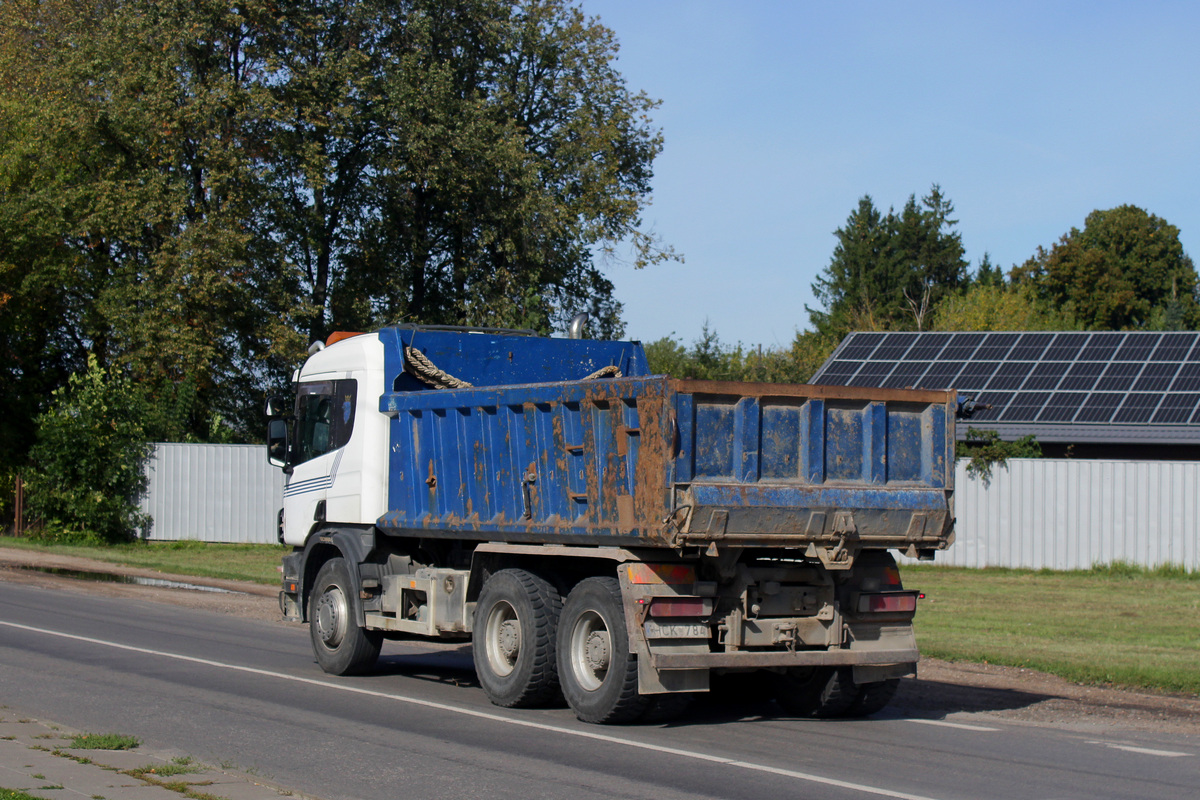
x=709, y=359
x=1000, y=307
x=454, y=162
x=988, y=274
x=987, y=451
x=1125, y=270
x=126, y=187
x=192, y=190
x=88, y=461
x=890, y=271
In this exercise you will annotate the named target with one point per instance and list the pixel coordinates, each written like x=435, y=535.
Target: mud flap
x=655, y=681
x=874, y=673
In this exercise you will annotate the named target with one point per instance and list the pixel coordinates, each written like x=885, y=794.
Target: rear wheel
x=598, y=673
x=514, y=638
x=873, y=697
x=340, y=645
x=818, y=692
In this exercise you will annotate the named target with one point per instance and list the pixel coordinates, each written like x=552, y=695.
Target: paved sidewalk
x=36, y=758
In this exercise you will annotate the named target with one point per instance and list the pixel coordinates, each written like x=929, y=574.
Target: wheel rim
x=332, y=616
x=590, y=651
x=503, y=639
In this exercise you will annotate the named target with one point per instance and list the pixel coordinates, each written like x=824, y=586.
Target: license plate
x=658, y=630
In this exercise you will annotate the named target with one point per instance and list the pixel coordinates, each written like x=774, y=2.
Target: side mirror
x=277, y=407
x=277, y=443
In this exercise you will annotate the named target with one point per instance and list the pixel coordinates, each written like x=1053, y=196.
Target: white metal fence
x=213, y=493
x=1073, y=514
x=1052, y=513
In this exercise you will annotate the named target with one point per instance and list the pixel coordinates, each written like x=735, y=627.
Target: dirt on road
x=969, y=693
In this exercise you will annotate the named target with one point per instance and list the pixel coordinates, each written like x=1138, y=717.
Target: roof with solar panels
x=1105, y=386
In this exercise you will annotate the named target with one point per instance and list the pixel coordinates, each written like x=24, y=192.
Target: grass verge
x=105, y=741
x=258, y=563
x=1116, y=625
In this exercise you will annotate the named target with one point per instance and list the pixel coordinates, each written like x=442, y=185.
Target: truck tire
x=513, y=639
x=340, y=645
x=817, y=692
x=873, y=697
x=599, y=675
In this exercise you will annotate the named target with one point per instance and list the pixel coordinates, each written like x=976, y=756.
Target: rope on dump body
x=424, y=370
x=612, y=371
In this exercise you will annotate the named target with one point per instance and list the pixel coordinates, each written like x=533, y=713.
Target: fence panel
x=213, y=493
x=1075, y=513
x=1034, y=513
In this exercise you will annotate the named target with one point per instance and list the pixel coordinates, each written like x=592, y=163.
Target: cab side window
x=324, y=417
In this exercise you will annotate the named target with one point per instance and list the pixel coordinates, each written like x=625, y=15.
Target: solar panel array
x=1105, y=377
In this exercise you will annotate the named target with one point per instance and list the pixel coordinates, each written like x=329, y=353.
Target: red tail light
x=660, y=573
x=681, y=606
x=890, y=603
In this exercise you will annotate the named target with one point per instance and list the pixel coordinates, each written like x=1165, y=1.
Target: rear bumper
x=802, y=658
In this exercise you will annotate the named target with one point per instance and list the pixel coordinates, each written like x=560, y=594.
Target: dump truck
x=602, y=534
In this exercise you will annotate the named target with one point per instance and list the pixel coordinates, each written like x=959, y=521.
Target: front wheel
x=340, y=645
x=598, y=673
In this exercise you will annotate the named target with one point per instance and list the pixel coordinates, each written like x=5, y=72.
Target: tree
x=1125, y=270
x=192, y=191
x=88, y=463
x=988, y=274
x=456, y=163
x=1000, y=307
x=126, y=189
x=987, y=450
x=890, y=271
x=809, y=352
x=709, y=359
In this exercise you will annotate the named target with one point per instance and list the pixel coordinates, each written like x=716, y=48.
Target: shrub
x=88, y=463
x=987, y=450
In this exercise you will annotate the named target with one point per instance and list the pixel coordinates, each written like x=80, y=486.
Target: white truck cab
x=337, y=470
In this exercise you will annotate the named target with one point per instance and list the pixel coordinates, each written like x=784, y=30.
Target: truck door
x=324, y=422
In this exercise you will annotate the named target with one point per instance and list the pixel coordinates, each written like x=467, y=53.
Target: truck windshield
x=324, y=417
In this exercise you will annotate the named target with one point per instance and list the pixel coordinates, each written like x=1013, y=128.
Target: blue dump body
x=534, y=452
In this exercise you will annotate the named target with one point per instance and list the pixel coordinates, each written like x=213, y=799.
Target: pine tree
x=890, y=271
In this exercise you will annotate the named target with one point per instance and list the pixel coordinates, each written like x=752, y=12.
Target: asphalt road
x=245, y=693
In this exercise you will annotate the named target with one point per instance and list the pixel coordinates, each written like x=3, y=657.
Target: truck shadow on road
x=453, y=667
x=929, y=699
x=731, y=701
x=916, y=699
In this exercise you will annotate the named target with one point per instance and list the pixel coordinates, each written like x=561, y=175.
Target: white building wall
x=213, y=493
x=1075, y=513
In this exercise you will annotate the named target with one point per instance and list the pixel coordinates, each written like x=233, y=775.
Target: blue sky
x=778, y=116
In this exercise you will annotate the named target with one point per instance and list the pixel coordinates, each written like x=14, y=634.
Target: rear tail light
x=681, y=606
x=889, y=603
x=650, y=574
